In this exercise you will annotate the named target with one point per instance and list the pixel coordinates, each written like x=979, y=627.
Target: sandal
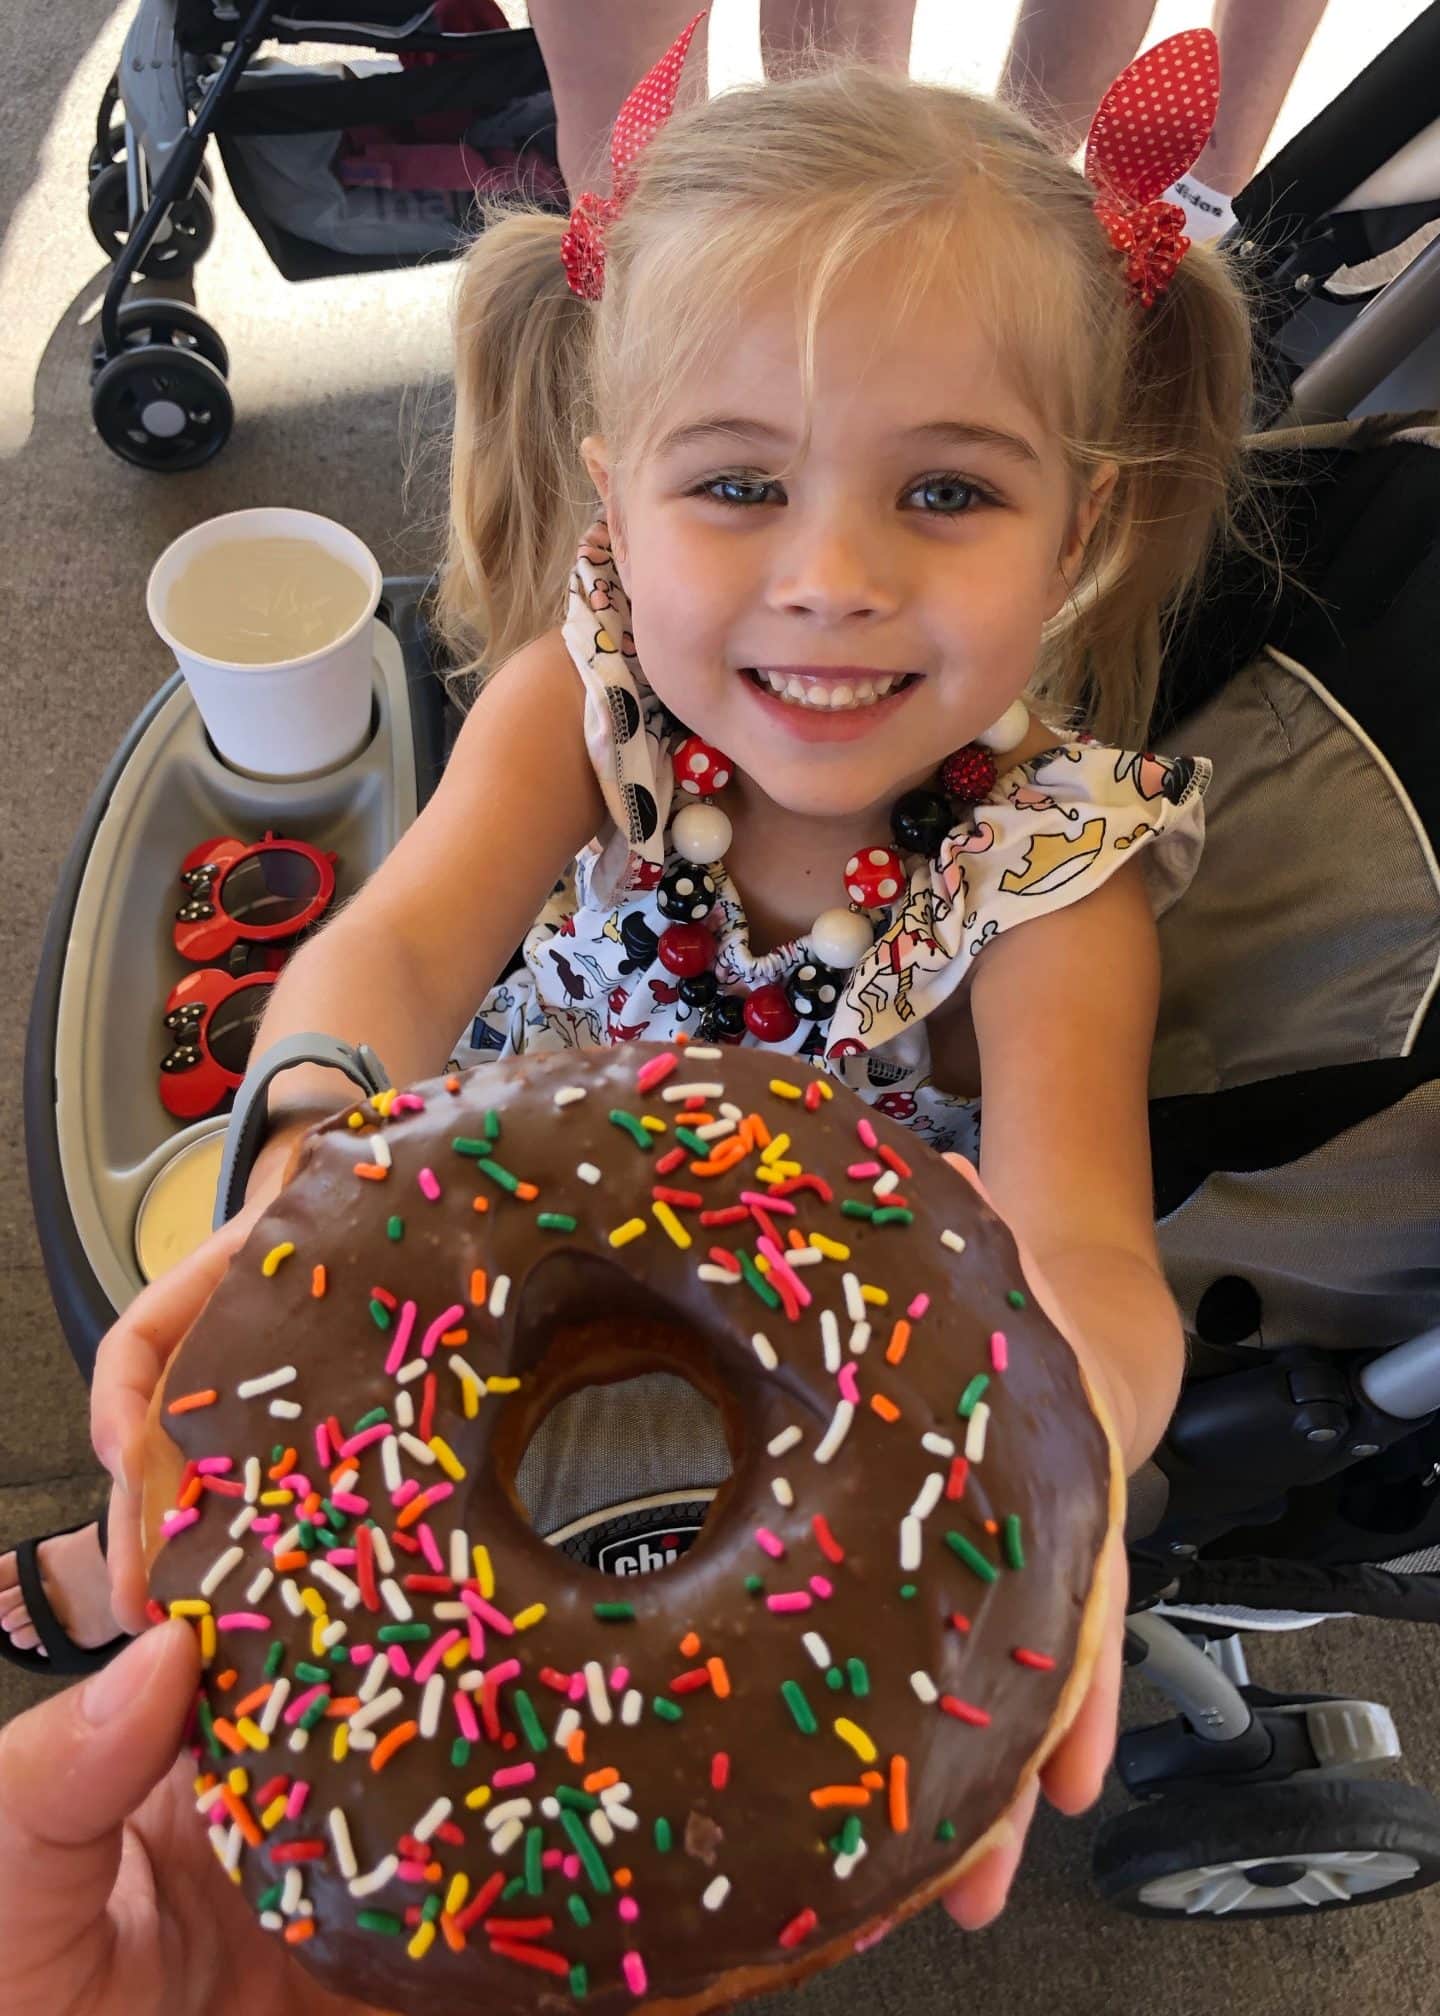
x=66, y=1659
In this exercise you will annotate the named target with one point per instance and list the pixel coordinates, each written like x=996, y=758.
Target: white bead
x=840, y=938
x=1009, y=731
x=700, y=834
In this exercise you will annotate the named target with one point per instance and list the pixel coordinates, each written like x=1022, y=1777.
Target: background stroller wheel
x=150, y=321
x=110, y=135
x=112, y=149
x=108, y=129
x=162, y=408
x=1270, y=1851
x=191, y=221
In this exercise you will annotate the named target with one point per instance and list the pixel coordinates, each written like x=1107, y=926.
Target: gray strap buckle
x=249, y=1118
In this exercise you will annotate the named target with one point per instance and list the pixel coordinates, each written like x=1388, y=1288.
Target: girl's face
x=893, y=585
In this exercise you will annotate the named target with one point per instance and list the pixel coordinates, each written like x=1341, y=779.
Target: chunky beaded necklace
x=839, y=938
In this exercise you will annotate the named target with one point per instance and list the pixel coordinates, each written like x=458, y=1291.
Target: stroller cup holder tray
x=97, y=1133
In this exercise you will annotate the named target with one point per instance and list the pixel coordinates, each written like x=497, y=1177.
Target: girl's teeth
x=829, y=698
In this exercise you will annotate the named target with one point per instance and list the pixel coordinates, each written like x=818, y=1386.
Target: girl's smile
x=828, y=704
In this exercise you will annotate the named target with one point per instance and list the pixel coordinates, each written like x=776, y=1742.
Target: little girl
x=816, y=508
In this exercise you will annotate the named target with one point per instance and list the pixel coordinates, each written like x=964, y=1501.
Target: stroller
x=1295, y=1108
x=342, y=168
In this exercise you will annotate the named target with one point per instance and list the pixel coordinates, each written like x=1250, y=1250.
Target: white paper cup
x=296, y=717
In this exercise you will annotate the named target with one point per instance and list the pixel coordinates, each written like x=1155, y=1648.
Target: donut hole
x=621, y=1475
x=632, y=1417
x=626, y=1432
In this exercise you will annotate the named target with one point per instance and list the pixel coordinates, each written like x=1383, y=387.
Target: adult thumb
x=71, y=1771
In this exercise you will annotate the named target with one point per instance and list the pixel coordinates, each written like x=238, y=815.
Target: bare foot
x=75, y=1579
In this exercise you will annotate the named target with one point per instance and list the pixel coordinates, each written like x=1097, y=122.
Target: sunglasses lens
x=231, y=1034
x=270, y=888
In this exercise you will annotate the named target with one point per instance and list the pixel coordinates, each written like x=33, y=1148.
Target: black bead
x=812, y=990
x=724, y=1020
x=686, y=893
x=694, y=995
x=641, y=943
x=919, y=822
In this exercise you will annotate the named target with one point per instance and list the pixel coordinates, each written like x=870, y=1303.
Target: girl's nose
x=832, y=570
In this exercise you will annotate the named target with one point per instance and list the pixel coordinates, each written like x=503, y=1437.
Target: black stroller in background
x=1295, y=1097
x=352, y=167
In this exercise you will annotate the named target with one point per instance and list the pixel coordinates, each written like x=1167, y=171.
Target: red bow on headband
x=1151, y=126
x=643, y=113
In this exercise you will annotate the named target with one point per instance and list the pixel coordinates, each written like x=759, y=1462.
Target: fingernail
x=110, y=1690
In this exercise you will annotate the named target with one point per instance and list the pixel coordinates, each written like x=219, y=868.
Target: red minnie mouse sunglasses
x=210, y=1020
x=247, y=904
x=244, y=901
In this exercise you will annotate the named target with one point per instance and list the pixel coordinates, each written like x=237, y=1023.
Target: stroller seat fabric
x=1295, y=1105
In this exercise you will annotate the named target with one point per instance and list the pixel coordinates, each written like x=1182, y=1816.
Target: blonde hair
x=808, y=177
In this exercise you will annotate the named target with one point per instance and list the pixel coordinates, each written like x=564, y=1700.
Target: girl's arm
x=1065, y=1009
x=412, y=954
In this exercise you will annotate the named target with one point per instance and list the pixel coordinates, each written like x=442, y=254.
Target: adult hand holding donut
x=1074, y=1774
x=108, y=1900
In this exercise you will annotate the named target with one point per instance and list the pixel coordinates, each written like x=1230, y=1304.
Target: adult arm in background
x=595, y=54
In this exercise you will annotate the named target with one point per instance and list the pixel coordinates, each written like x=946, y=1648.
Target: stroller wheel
x=144, y=322
x=1270, y=1851
x=112, y=149
x=107, y=127
x=189, y=230
x=162, y=408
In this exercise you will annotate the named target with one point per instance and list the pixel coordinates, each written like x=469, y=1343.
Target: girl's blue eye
x=717, y=484
x=954, y=496
x=951, y=496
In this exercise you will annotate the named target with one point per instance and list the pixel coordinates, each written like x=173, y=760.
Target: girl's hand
x=135, y=1351
x=1074, y=1773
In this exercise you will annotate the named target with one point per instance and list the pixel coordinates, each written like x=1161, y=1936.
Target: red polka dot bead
x=873, y=876
x=700, y=767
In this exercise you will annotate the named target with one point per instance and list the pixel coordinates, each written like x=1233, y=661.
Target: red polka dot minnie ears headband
x=643, y=113
x=1151, y=125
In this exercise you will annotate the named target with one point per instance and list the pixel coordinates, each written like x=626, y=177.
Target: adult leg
x=1260, y=51
x=1064, y=54
x=878, y=31
x=595, y=52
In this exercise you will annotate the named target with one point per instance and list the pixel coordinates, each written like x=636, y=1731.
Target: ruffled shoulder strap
x=1051, y=830
x=626, y=727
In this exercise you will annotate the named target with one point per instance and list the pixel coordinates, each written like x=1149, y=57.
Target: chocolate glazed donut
x=456, y=1770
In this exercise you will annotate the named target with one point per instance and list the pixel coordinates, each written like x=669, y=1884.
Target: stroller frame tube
x=1363, y=355
x=179, y=171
